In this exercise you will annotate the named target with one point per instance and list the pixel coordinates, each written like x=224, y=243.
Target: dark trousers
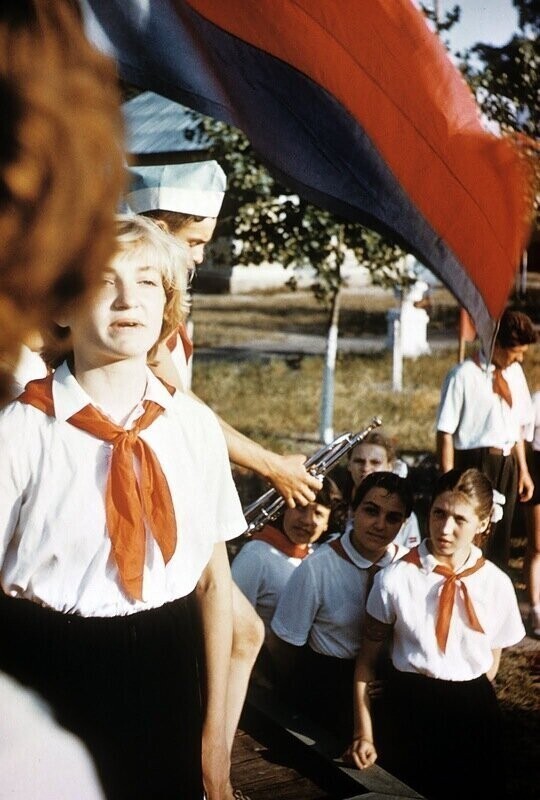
x=127, y=686
x=321, y=688
x=503, y=473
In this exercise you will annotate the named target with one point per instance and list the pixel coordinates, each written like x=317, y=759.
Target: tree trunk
x=397, y=353
x=326, y=427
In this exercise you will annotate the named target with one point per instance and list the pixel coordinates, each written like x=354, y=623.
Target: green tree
x=441, y=22
x=269, y=223
x=506, y=79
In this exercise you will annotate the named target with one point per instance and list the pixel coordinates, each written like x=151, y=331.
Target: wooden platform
x=281, y=755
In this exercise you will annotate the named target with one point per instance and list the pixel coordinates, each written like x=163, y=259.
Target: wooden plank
x=374, y=780
x=271, y=771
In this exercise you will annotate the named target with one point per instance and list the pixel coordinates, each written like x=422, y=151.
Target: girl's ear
x=162, y=224
x=483, y=526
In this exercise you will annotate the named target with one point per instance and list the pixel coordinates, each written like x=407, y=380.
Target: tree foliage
x=442, y=24
x=506, y=79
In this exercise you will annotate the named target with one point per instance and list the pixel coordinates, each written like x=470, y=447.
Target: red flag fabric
x=355, y=106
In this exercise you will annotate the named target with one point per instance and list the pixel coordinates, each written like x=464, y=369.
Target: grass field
x=276, y=402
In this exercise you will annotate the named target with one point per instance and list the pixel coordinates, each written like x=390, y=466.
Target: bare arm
x=286, y=473
x=445, y=451
x=362, y=749
x=214, y=600
x=525, y=482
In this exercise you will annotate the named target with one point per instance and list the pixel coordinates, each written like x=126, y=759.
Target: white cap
x=196, y=188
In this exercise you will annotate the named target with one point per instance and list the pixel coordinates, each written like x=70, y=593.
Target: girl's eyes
x=142, y=282
x=372, y=510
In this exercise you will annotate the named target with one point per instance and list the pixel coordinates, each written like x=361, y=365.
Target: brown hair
x=515, y=329
x=61, y=170
x=329, y=496
x=476, y=489
x=173, y=220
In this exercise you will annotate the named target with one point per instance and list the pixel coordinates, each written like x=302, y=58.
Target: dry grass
x=235, y=319
x=279, y=405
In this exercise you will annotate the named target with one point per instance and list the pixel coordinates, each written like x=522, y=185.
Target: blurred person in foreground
x=61, y=168
x=58, y=194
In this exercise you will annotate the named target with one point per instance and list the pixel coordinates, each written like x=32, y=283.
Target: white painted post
x=397, y=355
x=326, y=429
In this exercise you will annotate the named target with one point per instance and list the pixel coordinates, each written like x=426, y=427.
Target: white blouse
x=476, y=416
x=54, y=544
x=407, y=597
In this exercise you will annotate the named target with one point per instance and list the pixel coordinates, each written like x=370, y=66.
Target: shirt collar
x=360, y=561
x=69, y=396
x=429, y=562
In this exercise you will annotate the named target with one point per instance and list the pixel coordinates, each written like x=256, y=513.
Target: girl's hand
x=361, y=753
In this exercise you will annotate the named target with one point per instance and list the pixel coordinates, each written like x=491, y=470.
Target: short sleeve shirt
x=261, y=571
x=477, y=417
x=536, y=405
x=324, y=600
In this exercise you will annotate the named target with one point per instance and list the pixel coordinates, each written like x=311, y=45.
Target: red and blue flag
x=355, y=105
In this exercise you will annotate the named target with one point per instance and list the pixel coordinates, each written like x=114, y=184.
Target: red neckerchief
x=281, y=542
x=187, y=344
x=127, y=502
x=499, y=383
x=448, y=595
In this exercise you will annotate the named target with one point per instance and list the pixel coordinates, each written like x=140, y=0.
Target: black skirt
x=127, y=686
x=443, y=738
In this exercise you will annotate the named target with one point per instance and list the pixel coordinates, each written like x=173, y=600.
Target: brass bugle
x=270, y=504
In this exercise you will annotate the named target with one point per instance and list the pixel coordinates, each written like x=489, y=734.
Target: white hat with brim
x=197, y=188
